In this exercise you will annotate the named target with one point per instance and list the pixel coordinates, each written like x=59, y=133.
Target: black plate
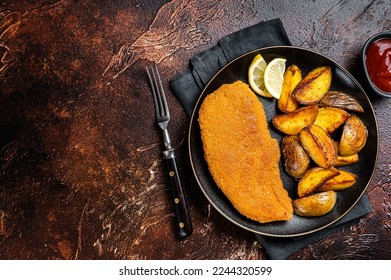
x=306, y=60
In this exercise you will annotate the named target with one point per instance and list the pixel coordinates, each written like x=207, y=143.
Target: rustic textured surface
x=80, y=155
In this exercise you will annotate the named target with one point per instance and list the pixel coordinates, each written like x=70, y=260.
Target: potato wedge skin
x=313, y=86
x=342, y=181
x=315, y=205
x=292, y=123
x=296, y=160
x=313, y=179
x=319, y=145
x=354, y=136
x=287, y=102
x=341, y=100
x=330, y=118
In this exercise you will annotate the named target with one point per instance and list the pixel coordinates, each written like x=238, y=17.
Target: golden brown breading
x=241, y=155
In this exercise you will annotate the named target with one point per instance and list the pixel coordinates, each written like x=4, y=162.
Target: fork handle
x=182, y=215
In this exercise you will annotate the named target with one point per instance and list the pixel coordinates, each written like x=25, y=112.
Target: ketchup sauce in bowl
x=376, y=62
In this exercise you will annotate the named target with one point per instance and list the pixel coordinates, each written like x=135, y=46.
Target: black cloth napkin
x=280, y=248
x=187, y=88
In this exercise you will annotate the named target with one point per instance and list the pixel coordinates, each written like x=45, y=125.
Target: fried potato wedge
x=315, y=205
x=330, y=118
x=296, y=160
x=314, y=178
x=292, y=123
x=313, y=86
x=342, y=181
x=319, y=145
x=346, y=160
x=287, y=102
x=341, y=100
x=354, y=136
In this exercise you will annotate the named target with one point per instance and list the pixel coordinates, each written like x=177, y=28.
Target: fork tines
x=159, y=98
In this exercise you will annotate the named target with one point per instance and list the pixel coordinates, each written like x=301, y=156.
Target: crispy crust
x=241, y=155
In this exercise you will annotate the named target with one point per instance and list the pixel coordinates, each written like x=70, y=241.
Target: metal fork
x=182, y=215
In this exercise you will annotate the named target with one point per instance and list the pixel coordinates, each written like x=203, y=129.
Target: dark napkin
x=187, y=88
x=280, y=248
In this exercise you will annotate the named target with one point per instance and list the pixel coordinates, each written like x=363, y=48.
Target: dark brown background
x=80, y=155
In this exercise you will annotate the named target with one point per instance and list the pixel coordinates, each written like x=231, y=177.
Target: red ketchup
x=378, y=62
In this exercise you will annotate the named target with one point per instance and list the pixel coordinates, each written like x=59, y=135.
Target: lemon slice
x=256, y=73
x=274, y=76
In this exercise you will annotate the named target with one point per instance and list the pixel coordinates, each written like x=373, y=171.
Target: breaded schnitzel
x=241, y=155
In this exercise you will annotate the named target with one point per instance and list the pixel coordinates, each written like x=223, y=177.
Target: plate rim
x=193, y=116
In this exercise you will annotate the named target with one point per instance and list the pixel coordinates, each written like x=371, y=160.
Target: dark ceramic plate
x=306, y=60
